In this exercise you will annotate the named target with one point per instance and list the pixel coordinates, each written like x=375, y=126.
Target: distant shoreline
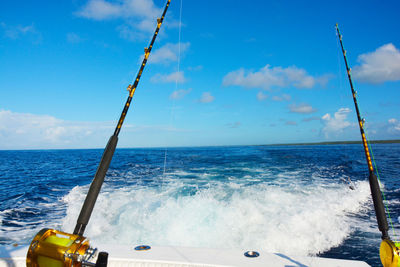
x=337, y=143
x=282, y=144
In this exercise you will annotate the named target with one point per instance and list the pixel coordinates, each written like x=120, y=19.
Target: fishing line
x=343, y=97
x=176, y=84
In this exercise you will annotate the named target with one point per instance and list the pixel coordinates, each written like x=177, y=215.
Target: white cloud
x=206, y=97
x=179, y=94
x=195, y=68
x=379, y=66
x=101, y=10
x=336, y=124
x=261, y=96
x=24, y=130
x=32, y=131
x=18, y=31
x=137, y=29
x=73, y=38
x=128, y=32
x=167, y=53
x=311, y=119
x=291, y=123
x=169, y=78
x=284, y=97
x=394, y=126
x=302, y=108
x=14, y=32
x=146, y=25
x=234, y=125
x=139, y=15
x=269, y=77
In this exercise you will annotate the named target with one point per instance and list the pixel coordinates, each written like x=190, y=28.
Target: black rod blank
x=95, y=187
x=373, y=181
x=108, y=153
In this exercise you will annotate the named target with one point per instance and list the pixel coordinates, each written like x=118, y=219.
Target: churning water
x=287, y=199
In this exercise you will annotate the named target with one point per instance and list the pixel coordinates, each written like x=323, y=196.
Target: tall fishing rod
x=55, y=248
x=108, y=153
x=373, y=181
x=389, y=251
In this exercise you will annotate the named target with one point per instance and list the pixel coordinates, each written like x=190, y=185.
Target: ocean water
x=286, y=199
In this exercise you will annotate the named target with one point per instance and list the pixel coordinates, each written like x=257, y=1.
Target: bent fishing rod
x=389, y=250
x=50, y=245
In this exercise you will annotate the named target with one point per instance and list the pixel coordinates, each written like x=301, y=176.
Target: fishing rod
x=51, y=245
x=97, y=182
x=389, y=251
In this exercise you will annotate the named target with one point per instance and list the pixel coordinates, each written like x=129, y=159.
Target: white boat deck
x=188, y=257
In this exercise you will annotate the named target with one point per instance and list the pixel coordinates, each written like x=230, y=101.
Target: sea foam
x=285, y=216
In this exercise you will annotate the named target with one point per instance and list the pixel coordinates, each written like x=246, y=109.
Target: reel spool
x=52, y=248
x=389, y=253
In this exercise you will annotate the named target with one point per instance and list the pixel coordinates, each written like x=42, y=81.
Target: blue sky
x=250, y=72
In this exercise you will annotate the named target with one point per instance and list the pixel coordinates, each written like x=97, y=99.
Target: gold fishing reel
x=52, y=248
x=389, y=253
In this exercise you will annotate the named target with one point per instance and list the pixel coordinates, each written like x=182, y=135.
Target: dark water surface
x=287, y=199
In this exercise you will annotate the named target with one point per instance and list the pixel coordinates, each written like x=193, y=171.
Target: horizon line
x=391, y=141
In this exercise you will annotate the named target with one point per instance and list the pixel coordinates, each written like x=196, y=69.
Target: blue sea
x=288, y=199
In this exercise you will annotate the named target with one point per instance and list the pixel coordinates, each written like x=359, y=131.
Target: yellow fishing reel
x=52, y=248
x=389, y=253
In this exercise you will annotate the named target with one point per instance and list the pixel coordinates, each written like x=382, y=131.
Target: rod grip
x=378, y=205
x=102, y=259
x=95, y=187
